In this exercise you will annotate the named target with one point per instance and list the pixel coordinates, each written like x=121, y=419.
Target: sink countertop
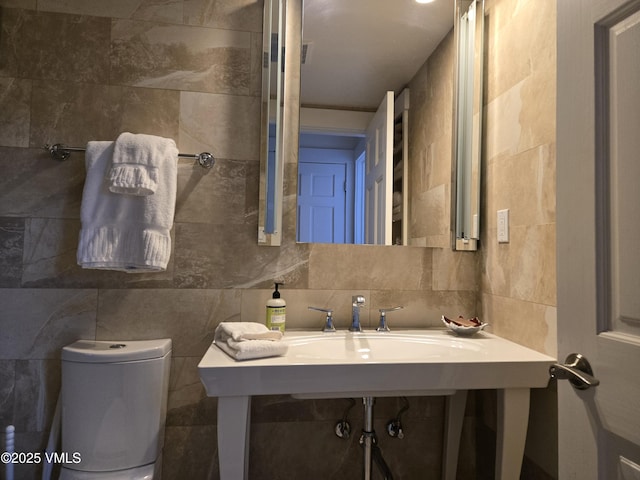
x=427, y=361
x=400, y=363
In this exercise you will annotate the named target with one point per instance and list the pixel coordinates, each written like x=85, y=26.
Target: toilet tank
x=114, y=403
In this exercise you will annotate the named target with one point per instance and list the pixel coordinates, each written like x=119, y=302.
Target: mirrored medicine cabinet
x=318, y=121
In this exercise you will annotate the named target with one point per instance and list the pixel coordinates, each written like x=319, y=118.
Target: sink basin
x=372, y=364
x=378, y=347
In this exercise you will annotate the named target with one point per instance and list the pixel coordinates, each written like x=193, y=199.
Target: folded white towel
x=124, y=232
x=239, y=331
x=137, y=160
x=247, y=340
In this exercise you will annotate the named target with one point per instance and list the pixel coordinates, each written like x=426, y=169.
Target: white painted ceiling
x=359, y=49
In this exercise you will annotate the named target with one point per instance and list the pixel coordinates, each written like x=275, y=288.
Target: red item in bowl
x=462, y=322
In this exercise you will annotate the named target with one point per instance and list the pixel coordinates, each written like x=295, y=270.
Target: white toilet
x=114, y=403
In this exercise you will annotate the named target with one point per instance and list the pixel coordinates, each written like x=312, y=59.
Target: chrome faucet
x=357, y=302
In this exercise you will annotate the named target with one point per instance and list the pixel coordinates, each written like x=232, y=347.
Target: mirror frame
x=285, y=16
x=467, y=124
x=268, y=216
x=466, y=133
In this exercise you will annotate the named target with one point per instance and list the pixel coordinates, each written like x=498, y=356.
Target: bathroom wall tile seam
x=522, y=300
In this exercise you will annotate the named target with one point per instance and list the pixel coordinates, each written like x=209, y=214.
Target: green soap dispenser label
x=276, y=317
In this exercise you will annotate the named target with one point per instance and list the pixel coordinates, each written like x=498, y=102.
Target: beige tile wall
x=518, y=279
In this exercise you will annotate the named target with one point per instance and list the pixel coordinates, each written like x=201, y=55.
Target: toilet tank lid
x=104, y=351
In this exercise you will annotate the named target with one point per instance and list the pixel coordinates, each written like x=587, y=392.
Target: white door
x=321, y=202
x=379, y=174
x=598, y=235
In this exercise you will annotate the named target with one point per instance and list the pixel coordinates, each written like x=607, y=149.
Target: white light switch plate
x=503, y=226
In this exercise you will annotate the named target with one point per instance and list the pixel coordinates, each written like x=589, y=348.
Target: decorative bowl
x=461, y=326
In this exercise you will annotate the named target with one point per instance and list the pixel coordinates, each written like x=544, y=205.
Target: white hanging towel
x=137, y=159
x=125, y=232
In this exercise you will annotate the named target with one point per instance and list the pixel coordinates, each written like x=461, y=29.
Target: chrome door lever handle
x=577, y=370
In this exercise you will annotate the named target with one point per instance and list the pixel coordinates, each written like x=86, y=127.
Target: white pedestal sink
x=399, y=363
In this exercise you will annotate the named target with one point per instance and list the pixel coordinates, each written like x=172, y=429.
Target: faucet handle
x=382, y=326
x=328, y=326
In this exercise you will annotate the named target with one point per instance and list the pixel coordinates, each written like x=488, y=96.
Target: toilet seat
x=139, y=473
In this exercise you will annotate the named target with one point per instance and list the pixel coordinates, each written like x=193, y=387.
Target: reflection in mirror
x=325, y=215
x=358, y=58
x=345, y=96
x=350, y=181
x=469, y=32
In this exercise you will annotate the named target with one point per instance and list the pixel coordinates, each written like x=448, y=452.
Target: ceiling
x=358, y=49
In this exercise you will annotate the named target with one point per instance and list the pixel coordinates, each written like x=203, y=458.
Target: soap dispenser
x=276, y=311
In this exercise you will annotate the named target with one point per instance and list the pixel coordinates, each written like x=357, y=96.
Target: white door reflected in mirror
x=351, y=188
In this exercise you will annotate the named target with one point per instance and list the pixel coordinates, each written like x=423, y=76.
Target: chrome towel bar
x=58, y=151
